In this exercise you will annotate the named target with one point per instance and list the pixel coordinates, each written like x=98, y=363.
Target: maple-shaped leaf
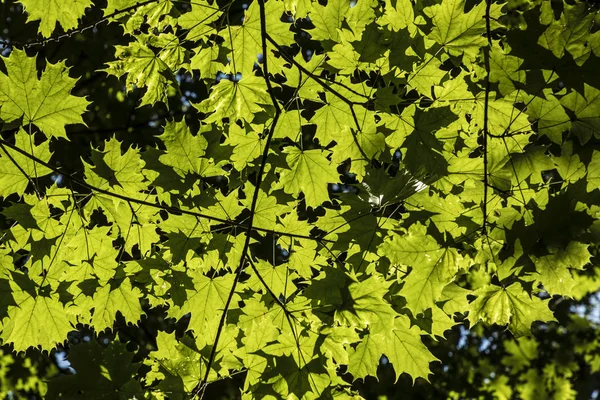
x=333, y=118
x=344, y=58
x=552, y=120
x=198, y=20
x=363, y=360
x=444, y=212
x=277, y=278
x=363, y=305
x=406, y=352
x=433, y=267
x=328, y=19
x=117, y=296
x=300, y=347
x=401, y=344
x=520, y=352
x=309, y=172
x=184, y=150
x=45, y=102
x=18, y=170
x=360, y=15
x=359, y=148
x=435, y=321
x=585, y=108
x=289, y=125
x=454, y=299
x=38, y=320
x=459, y=31
x=242, y=99
x=426, y=75
x=111, y=168
x=95, y=250
x=399, y=14
x=291, y=381
x=505, y=70
x=531, y=164
x=152, y=11
x=594, y=172
x=510, y=306
x=570, y=33
x=67, y=14
x=503, y=118
x=245, y=40
x=247, y=145
x=554, y=269
x=179, y=360
x=569, y=165
x=416, y=133
x=266, y=209
x=146, y=69
x=205, y=301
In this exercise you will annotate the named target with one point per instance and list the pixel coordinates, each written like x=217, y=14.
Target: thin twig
x=486, y=57
x=72, y=32
x=201, y=386
x=170, y=209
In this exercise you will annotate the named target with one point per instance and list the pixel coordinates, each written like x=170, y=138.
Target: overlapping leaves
x=388, y=193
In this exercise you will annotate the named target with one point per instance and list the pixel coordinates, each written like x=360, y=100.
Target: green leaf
x=18, y=170
x=432, y=266
x=594, y=172
x=51, y=13
x=551, y=117
x=114, y=169
x=205, y=301
x=247, y=146
x=309, y=172
x=45, y=102
x=146, y=69
x=327, y=19
x=244, y=41
x=554, y=269
x=364, y=359
x=569, y=166
x=363, y=305
x=184, y=151
x=37, y=321
x=459, y=31
x=198, y=20
x=569, y=33
x=179, y=360
x=406, y=352
x=509, y=306
x=583, y=106
x=117, y=296
x=236, y=100
x=505, y=70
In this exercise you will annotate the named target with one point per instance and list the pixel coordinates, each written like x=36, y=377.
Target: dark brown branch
x=16, y=164
x=147, y=203
x=486, y=56
x=201, y=386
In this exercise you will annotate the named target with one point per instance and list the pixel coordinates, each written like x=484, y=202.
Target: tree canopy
x=332, y=199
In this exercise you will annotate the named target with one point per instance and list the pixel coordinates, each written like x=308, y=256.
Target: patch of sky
x=62, y=363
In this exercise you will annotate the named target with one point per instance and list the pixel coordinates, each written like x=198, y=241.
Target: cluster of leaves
x=350, y=179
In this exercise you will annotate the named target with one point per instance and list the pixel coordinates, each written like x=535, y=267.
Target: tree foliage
x=300, y=197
